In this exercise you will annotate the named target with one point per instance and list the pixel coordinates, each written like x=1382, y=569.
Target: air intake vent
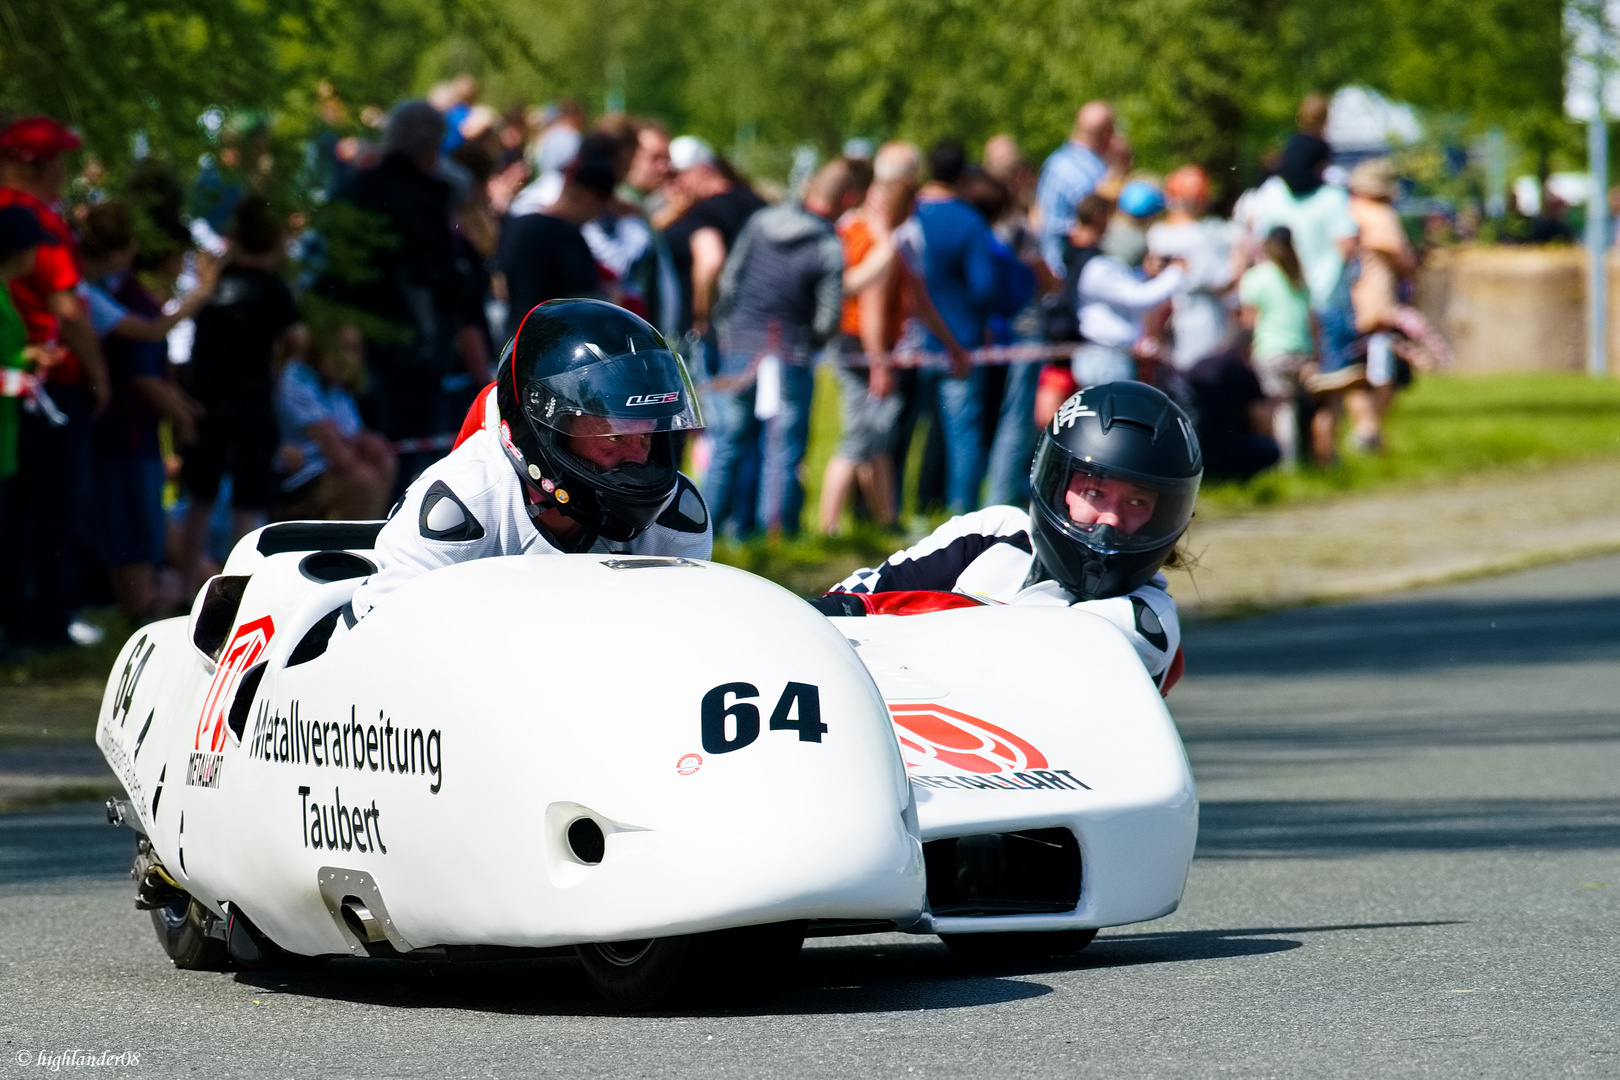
x=1034, y=872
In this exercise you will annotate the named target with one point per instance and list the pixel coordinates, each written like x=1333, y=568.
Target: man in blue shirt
x=1094, y=158
x=962, y=279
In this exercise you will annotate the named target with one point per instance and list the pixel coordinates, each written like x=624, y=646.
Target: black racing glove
x=838, y=603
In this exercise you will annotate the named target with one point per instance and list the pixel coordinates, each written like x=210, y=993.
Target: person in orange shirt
x=874, y=312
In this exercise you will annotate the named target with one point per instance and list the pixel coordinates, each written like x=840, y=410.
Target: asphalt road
x=1409, y=866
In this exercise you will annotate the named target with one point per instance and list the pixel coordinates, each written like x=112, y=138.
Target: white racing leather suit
x=988, y=554
x=470, y=505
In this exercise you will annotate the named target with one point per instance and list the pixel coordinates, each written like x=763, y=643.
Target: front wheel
x=190, y=934
x=744, y=966
x=1023, y=945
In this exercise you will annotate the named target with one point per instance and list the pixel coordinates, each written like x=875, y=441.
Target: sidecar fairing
x=1052, y=789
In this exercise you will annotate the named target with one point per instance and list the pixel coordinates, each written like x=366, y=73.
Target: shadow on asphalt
x=1290, y=829
x=887, y=979
x=1409, y=636
x=909, y=975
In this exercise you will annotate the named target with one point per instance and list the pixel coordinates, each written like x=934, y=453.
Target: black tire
x=1008, y=948
x=745, y=966
x=186, y=931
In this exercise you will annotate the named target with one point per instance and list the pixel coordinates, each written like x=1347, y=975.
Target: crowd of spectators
x=159, y=356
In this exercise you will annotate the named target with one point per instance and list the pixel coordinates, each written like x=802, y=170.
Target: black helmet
x=1137, y=450
x=582, y=369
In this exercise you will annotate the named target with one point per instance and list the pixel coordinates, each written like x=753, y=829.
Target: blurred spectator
x=1396, y=337
x=20, y=237
x=1384, y=258
x=1118, y=288
x=418, y=287
x=47, y=525
x=871, y=322
x=718, y=206
x=619, y=237
x=649, y=279
x=780, y=301
x=107, y=255
x=1550, y=225
x=962, y=278
x=242, y=335
x=126, y=460
x=225, y=178
x=1094, y=159
x=1233, y=417
x=1318, y=219
x=557, y=147
x=334, y=470
x=1198, y=318
x=1013, y=436
x=543, y=256
x=1057, y=383
x=1277, y=308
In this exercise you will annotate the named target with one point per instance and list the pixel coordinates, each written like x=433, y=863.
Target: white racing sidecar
x=674, y=768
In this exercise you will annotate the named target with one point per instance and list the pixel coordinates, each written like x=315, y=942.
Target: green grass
x=1443, y=426
x=1452, y=425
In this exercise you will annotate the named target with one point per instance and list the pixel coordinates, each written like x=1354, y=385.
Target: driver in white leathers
x=1112, y=490
x=569, y=450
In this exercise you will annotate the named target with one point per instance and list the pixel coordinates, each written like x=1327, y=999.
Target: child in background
x=334, y=470
x=1277, y=306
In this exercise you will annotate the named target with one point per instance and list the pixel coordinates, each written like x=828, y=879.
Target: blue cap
x=1141, y=199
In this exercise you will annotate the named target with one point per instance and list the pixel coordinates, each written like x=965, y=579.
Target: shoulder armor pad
x=445, y=517
x=687, y=511
x=1148, y=624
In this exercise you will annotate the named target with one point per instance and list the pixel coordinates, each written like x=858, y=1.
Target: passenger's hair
x=1094, y=211
x=1279, y=248
x=108, y=228
x=946, y=161
x=255, y=229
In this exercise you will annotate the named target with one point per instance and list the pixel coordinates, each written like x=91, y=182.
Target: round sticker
x=689, y=764
x=534, y=471
x=562, y=496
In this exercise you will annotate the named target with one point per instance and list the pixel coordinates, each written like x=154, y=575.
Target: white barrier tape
x=1027, y=353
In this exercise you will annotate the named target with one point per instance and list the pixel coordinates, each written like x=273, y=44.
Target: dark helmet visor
x=631, y=393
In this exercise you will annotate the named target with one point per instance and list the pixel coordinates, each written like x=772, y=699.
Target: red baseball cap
x=35, y=138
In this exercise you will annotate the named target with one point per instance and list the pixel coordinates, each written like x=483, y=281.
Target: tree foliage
x=1209, y=80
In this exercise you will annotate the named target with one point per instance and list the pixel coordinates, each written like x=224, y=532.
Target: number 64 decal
x=744, y=717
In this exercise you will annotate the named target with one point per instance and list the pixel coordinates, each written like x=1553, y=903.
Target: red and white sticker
x=242, y=653
x=931, y=733
x=689, y=764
